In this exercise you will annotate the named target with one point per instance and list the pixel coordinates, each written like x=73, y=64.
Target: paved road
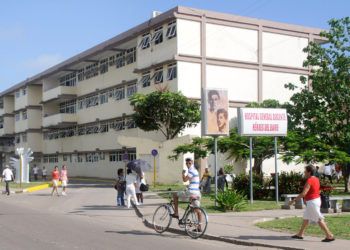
x=85, y=219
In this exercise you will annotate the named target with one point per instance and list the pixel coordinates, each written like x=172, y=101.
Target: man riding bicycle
x=193, y=192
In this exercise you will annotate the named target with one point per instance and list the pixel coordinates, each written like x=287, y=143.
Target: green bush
x=260, y=187
x=228, y=168
x=231, y=200
x=290, y=183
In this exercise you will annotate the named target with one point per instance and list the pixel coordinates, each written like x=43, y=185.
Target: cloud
x=43, y=62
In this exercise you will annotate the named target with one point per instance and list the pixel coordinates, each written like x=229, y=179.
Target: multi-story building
x=77, y=112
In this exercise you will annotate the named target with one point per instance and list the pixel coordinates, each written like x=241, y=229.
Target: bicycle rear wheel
x=196, y=222
x=162, y=219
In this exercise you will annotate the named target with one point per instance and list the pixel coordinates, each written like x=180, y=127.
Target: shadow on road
x=136, y=232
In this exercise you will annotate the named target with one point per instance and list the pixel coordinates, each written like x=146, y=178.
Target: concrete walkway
x=239, y=228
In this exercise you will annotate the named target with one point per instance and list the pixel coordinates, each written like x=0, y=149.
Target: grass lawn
x=339, y=225
x=24, y=185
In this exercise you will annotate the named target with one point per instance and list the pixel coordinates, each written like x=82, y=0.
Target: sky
x=37, y=34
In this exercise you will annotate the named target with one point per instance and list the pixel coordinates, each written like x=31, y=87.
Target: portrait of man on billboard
x=216, y=112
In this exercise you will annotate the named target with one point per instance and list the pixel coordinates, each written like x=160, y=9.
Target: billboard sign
x=216, y=118
x=262, y=122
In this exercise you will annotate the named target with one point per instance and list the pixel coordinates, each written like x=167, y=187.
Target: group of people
x=330, y=172
x=59, y=176
x=131, y=186
x=205, y=183
x=37, y=171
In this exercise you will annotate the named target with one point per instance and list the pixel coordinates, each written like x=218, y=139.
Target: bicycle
x=194, y=227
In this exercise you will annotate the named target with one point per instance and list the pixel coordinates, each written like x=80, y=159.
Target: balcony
x=60, y=120
x=6, y=131
x=60, y=92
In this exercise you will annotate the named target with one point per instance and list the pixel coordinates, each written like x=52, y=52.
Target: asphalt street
x=85, y=219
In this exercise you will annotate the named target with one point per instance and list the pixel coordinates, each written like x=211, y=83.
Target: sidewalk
x=238, y=228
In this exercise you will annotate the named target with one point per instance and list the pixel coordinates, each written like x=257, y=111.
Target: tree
x=319, y=113
x=165, y=111
x=236, y=146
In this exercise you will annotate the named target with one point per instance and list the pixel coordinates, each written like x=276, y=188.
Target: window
x=91, y=70
x=111, y=61
x=17, y=139
x=117, y=124
x=158, y=36
x=68, y=107
x=104, y=127
x=67, y=157
x=116, y=156
x=131, y=89
x=104, y=66
x=80, y=158
x=102, y=156
x=130, y=123
x=119, y=93
x=46, y=159
x=91, y=101
x=171, y=31
x=104, y=97
x=53, y=158
x=81, y=103
x=24, y=115
x=1, y=122
x=81, y=74
x=146, y=79
x=130, y=56
x=24, y=138
x=158, y=76
x=24, y=91
x=92, y=157
x=132, y=154
x=68, y=80
x=18, y=94
x=120, y=60
x=92, y=129
x=17, y=117
x=1, y=103
x=172, y=73
x=81, y=130
x=145, y=41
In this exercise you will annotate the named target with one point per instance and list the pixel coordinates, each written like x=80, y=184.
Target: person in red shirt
x=311, y=195
x=55, y=179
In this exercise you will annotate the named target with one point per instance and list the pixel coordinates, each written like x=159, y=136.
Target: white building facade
x=77, y=113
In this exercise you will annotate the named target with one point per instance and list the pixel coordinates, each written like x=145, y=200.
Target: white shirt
x=194, y=181
x=130, y=179
x=36, y=170
x=328, y=169
x=7, y=174
x=44, y=172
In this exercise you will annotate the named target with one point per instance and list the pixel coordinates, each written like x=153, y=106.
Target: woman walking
x=64, y=179
x=140, y=180
x=311, y=195
x=130, y=188
x=55, y=178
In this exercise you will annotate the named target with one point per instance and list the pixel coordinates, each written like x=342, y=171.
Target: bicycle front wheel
x=162, y=219
x=196, y=222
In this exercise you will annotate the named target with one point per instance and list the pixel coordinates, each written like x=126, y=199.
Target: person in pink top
x=64, y=179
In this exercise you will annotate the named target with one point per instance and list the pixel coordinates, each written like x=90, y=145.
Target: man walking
x=7, y=176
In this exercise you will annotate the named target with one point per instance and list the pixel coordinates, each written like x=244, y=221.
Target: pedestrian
x=121, y=187
x=55, y=179
x=44, y=173
x=64, y=179
x=7, y=176
x=131, y=188
x=35, y=172
x=205, y=181
x=222, y=182
x=139, y=181
x=311, y=195
x=328, y=171
x=317, y=172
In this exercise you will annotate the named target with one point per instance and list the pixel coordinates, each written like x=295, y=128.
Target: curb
x=212, y=237
x=34, y=188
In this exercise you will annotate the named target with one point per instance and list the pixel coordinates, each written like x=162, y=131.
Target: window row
x=1, y=103
x=157, y=77
x=115, y=156
x=117, y=93
x=92, y=128
x=156, y=36
x=20, y=138
x=119, y=60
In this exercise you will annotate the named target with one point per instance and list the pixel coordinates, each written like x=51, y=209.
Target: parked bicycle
x=194, y=220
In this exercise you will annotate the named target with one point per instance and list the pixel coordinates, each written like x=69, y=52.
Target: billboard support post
x=276, y=172
x=251, y=168
x=216, y=168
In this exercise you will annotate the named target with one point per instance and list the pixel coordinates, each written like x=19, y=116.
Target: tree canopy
x=165, y=111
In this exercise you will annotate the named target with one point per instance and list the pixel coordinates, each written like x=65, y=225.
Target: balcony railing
x=59, y=120
x=59, y=92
